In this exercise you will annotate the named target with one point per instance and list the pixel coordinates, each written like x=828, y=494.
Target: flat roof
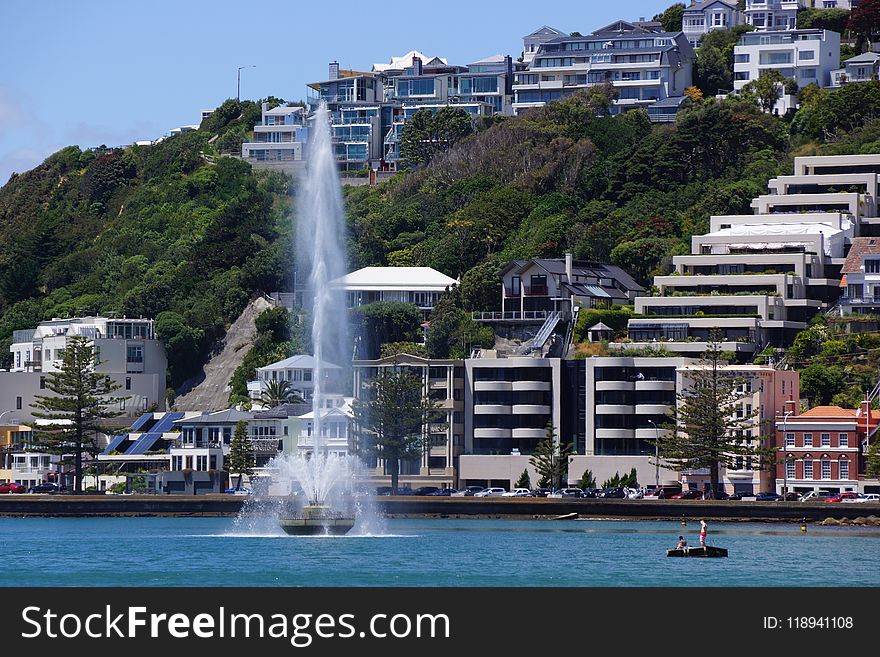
x=395, y=278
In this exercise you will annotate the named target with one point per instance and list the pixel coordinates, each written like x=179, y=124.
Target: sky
x=93, y=72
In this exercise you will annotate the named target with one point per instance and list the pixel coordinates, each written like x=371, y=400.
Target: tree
x=694, y=94
x=587, y=481
x=550, y=460
x=767, y=89
x=672, y=17
x=711, y=73
x=391, y=419
x=523, y=481
x=709, y=423
x=835, y=20
x=77, y=409
x=864, y=20
x=387, y=321
x=279, y=392
x=872, y=459
x=241, y=460
x=428, y=133
x=819, y=383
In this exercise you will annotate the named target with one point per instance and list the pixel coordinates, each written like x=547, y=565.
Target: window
x=826, y=469
x=17, y=359
x=808, y=469
x=227, y=435
x=789, y=440
x=843, y=440
x=809, y=74
x=808, y=440
x=18, y=403
x=844, y=470
x=122, y=404
x=128, y=383
x=135, y=354
x=42, y=383
x=872, y=266
x=789, y=469
x=825, y=440
x=201, y=463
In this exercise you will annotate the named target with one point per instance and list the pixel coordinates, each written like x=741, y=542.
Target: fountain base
x=317, y=521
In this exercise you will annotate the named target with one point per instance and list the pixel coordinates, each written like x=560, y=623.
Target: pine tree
x=550, y=460
x=523, y=481
x=241, y=459
x=588, y=481
x=76, y=411
x=710, y=428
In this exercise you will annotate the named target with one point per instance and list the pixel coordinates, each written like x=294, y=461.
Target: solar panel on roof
x=145, y=442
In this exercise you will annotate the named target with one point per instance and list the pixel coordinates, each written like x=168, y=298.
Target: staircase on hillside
x=543, y=334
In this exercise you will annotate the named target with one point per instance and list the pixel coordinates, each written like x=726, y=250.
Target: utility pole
x=238, y=87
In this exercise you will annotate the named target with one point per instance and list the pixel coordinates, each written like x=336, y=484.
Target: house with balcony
x=861, y=278
x=443, y=381
x=300, y=372
x=823, y=449
x=531, y=42
x=421, y=286
x=806, y=56
x=861, y=68
x=768, y=15
x=645, y=67
x=702, y=17
x=126, y=350
x=280, y=137
x=331, y=433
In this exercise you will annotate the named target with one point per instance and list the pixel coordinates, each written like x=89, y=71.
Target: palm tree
x=279, y=392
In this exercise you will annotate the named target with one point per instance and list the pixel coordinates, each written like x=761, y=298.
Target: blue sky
x=92, y=72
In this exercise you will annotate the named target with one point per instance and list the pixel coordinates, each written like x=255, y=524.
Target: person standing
x=702, y=533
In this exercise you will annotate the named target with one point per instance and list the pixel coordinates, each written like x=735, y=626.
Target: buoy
x=804, y=525
x=683, y=521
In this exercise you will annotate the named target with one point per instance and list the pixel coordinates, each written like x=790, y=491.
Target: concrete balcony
x=616, y=385
x=652, y=409
x=614, y=433
x=491, y=409
x=492, y=432
x=530, y=386
x=527, y=434
x=652, y=385
x=614, y=409
x=491, y=386
x=530, y=409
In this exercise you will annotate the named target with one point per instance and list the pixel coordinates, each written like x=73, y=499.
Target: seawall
x=230, y=505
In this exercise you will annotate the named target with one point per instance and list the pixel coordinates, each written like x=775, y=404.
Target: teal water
x=221, y=552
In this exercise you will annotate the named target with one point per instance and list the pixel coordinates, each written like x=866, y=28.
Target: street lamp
x=238, y=87
x=785, y=455
x=656, y=455
x=12, y=410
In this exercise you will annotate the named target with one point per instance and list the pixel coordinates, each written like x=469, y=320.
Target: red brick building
x=823, y=449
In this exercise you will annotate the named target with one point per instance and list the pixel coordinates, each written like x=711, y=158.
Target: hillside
x=177, y=232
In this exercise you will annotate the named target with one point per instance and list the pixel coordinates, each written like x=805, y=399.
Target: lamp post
x=785, y=455
x=656, y=455
x=12, y=410
x=238, y=87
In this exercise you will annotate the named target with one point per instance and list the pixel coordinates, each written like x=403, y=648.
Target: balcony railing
x=511, y=315
x=860, y=301
x=536, y=290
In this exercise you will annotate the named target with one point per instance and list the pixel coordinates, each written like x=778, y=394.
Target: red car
x=845, y=497
x=688, y=495
x=12, y=487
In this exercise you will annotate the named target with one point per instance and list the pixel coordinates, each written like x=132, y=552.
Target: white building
x=125, y=349
x=703, y=17
x=421, y=286
x=299, y=372
x=807, y=56
x=334, y=418
x=861, y=68
x=767, y=15
x=280, y=137
x=531, y=42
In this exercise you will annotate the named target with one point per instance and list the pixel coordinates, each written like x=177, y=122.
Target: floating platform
x=317, y=521
x=699, y=551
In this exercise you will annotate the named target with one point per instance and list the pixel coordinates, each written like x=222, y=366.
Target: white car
x=872, y=497
x=634, y=494
x=491, y=492
x=518, y=492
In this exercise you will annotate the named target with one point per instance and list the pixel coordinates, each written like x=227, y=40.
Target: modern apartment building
x=807, y=56
x=126, y=350
x=281, y=136
x=444, y=382
x=644, y=65
x=760, y=278
x=766, y=15
x=702, y=17
x=822, y=449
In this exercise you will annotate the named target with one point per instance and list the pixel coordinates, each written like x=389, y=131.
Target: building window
x=201, y=463
x=122, y=404
x=872, y=266
x=227, y=435
x=789, y=469
x=135, y=354
x=825, y=439
x=808, y=469
x=789, y=440
x=826, y=469
x=844, y=470
x=808, y=440
x=128, y=383
x=18, y=403
x=807, y=54
x=42, y=383
x=843, y=440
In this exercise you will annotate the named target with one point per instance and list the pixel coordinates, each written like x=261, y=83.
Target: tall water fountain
x=320, y=233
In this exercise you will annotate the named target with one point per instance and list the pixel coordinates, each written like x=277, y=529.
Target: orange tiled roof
x=861, y=246
x=829, y=411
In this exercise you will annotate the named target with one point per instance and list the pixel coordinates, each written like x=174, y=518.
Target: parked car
x=740, y=495
x=768, y=496
x=634, y=494
x=491, y=492
x=47, y=487
x=591, y=492
x=401, y=490
x=791, y=496
x=848, y=496
x=12, y=487
x=612, y=493
x=571, y=492
x=425, y=490
x=470, y=491
x=688, y=495
x=541, y=492
x=816, y=496
x=239, y=491
x=518, y=492
x=442, y=492
x=872, y=497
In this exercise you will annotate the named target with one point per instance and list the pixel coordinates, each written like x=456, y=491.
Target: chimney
x=568, y=267
x=417, y=65
x=791, y=406
x=334, y=70
x=865, y=413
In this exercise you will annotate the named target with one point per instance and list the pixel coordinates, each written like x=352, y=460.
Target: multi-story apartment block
x=421, y=286
x=767, y=15
x=702, y=17
x=126, y=350
x=281, y=136
x=643, y=65
x=822, y=449
x=299, y=372
x=807, y=56
x=861, y=68
x=444, y=382
x=760, y=278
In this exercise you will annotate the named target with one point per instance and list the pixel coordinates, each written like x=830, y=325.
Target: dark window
x=18, y=403
x=128, y=383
